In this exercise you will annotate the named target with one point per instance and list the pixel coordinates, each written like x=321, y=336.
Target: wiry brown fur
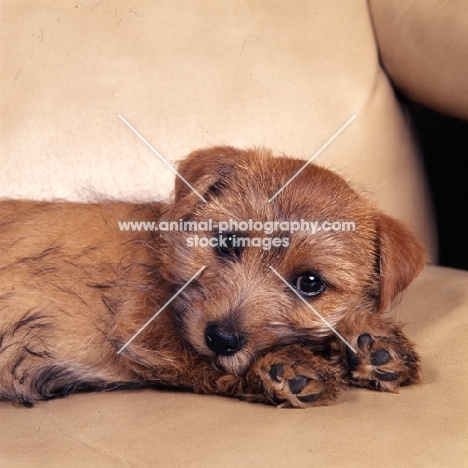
x=74, y=289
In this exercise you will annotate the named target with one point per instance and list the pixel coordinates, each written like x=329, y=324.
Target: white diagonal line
x=312, y=158
x=313, y=310
x=146, y=142
x=161, y=309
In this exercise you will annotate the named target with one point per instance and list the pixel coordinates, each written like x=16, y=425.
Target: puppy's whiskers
x=238, y=363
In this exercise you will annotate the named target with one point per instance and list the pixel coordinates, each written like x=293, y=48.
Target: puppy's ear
x=402, y=257
x=205, y=170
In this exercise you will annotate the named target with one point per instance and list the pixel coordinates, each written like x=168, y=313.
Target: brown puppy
x=287, y=321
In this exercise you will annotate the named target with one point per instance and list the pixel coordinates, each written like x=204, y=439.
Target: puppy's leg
x=384, y=360
x=294, y=376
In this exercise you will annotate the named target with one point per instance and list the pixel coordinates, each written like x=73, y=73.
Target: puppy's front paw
x=383, y=362
x=294, y=376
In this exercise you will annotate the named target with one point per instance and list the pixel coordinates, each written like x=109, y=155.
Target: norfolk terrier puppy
x=271, y=301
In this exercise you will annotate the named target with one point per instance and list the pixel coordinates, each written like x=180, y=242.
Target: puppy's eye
x=229, y=244
x=309, y=284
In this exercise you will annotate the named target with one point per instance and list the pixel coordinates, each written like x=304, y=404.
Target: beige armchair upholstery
x=286, y=75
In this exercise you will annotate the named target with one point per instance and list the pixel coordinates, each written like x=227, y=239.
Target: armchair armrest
x=424, y=48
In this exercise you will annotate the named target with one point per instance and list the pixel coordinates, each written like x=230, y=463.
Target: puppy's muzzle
x=223, y=342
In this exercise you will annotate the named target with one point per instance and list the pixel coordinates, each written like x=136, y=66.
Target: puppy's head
x=312, y=253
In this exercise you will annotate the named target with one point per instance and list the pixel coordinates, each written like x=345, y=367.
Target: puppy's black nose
x=222, y=342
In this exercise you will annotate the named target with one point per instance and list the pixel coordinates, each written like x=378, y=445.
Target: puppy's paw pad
x=383, y=362
x=276, y=372
x=297, y=384
x=283, y=379
x=310, y=398
x=287, y=386
x=387, y=376
x=294, y=376
x=365, y=341
x=300, y=386
x=380, y=357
